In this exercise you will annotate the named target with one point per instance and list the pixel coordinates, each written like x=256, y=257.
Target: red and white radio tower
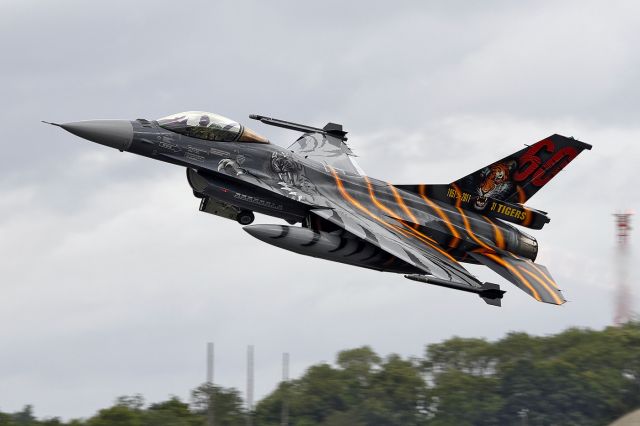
x=623, y=291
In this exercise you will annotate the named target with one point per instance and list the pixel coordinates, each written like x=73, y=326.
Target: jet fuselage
x=264, y=177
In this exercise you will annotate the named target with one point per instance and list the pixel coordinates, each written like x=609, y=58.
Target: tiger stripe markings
x=532, y=278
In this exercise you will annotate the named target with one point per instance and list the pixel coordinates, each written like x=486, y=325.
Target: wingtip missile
x=332, y=129
x=488, y=292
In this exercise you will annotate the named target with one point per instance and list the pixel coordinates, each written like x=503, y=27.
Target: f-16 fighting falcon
x=422, y=231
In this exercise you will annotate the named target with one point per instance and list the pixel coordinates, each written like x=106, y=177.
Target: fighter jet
x=336, y=212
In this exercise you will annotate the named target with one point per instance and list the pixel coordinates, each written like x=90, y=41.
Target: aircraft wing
x=530, y=277
x=404, y=243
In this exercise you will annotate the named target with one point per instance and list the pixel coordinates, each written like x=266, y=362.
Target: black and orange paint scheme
x=336, y=212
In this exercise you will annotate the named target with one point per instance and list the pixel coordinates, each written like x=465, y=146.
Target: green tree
x=577, y=377
x=53, y=421
x=463, y=399
x=228, y=405
x=25, y=417
x=358, y=367
x=362, y=390
x=6, y=419
x=316, y=396
x=172, y=412
x=116, y=415
x=397, y=395
x=471, y=356
x=127, y=411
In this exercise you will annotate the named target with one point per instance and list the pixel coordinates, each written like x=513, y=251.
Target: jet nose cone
x=113, y=133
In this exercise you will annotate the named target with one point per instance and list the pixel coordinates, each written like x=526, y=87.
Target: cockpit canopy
x=209, y=126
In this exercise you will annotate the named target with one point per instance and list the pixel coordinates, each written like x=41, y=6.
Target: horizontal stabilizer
x=530, y=277
x=490, y=207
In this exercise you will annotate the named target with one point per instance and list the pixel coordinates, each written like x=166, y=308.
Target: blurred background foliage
x=578, y=377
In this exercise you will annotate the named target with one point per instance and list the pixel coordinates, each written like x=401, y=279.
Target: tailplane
x=533, y=278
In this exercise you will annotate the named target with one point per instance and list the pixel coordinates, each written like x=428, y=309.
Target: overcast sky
x=112, y=282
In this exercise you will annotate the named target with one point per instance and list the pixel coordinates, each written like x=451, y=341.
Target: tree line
x=578, y=377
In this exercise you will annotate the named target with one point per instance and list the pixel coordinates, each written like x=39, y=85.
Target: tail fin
x=519, y=176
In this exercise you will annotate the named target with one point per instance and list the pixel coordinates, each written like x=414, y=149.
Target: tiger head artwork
x=495, y=181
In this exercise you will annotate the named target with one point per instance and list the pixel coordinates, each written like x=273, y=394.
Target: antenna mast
x=623, y=291
x=210, y=386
